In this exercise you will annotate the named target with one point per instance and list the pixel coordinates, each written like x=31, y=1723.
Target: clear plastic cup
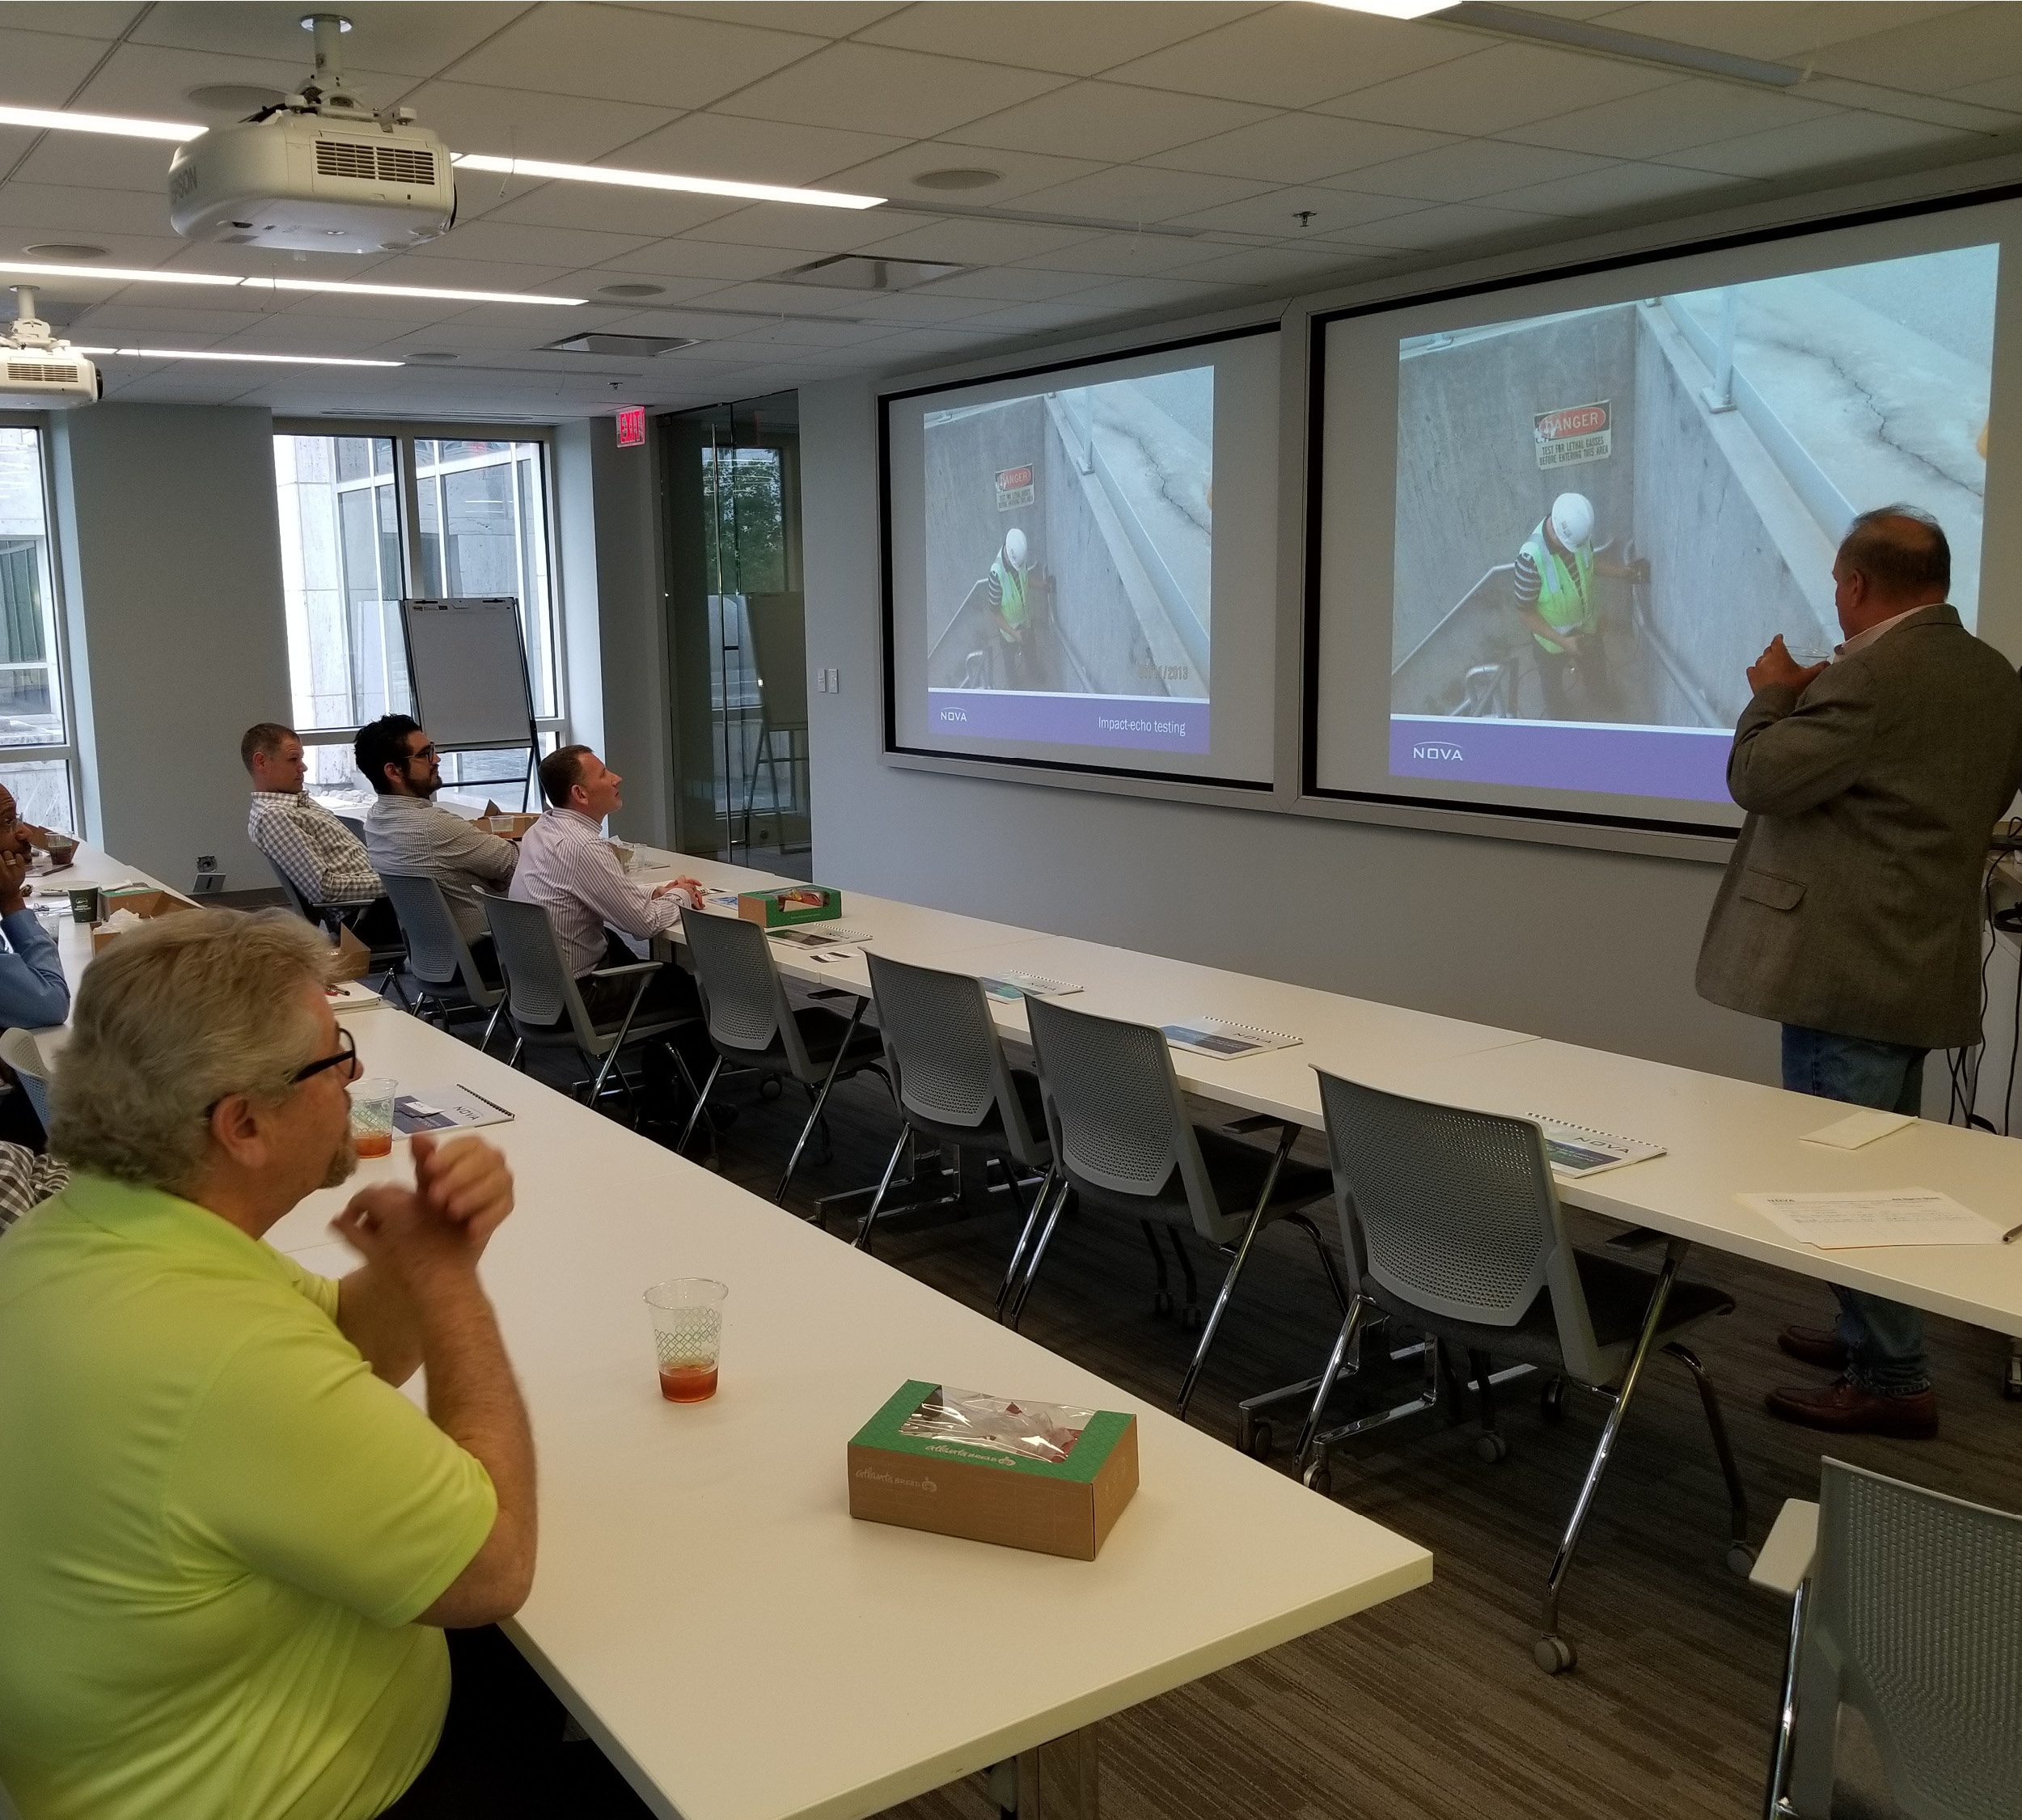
x=688, y=1336
x=372, y=1116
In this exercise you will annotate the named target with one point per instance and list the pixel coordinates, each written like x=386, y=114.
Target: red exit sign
x=632, y=425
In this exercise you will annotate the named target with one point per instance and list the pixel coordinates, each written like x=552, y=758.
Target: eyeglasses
x=346, y=1058
x=427, y=751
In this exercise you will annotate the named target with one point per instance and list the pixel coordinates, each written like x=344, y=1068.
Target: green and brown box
x=790, y=904
x=1053, y=1479
x=144, y=902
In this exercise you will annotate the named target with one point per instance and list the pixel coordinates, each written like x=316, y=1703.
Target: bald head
x=1892, y=559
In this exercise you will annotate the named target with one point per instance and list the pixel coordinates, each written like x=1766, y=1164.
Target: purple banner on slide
x=1687, y=763
x=1148, y=723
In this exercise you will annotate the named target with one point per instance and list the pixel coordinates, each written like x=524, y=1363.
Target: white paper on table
x=1858, y=1129
x=1835, y=1222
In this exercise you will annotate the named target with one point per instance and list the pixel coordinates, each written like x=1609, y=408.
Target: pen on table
x=2011, y=1235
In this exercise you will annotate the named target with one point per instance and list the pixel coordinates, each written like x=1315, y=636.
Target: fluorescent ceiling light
x=51, y=120
x=664, y=179
x=126, y=275
x=266, y=359
x=1390, y=9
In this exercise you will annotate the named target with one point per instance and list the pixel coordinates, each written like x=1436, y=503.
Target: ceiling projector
x=38, y=372
x=318, y=172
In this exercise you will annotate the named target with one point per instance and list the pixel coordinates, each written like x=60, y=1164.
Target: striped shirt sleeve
x=1526, y=581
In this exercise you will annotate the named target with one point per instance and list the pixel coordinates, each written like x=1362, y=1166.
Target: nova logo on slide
x=1444, y=754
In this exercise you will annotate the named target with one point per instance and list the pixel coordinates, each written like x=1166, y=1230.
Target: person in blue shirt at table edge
x=34, y=994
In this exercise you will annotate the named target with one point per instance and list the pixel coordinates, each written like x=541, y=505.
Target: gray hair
x=1901, y=550
x=171, y=1019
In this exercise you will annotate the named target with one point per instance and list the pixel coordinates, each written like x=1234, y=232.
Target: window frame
x=550, y=729
x=69, y=751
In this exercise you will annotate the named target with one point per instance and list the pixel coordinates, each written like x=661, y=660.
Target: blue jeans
x=1884, y=1339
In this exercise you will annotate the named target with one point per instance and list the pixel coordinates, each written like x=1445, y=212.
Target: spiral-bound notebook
x=1012, y=987
x=1575, y=1151
x=1224, y=1040
x=819, y=935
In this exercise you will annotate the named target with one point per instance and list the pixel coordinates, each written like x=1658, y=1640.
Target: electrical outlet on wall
x=208, y=884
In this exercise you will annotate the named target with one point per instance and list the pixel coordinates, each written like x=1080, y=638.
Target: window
x=480, y=514
x=36, y=755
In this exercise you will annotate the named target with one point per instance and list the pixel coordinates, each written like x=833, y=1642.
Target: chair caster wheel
x=1553, y=1654
x=1491, y=1449
x=1741, y=1559
x=1162, y=1305
x=1190, y=1317
x=770, y=1087
x=1258, y=1441
x=1318, y=1477
x=1551, y=1401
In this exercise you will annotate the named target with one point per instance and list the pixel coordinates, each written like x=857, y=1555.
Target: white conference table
x=705, y=1605
x=1724, y=1138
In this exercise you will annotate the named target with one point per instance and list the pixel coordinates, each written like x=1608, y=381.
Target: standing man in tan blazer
x=1850, y=909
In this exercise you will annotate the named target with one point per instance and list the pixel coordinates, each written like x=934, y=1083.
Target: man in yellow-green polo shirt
x=232, y=1546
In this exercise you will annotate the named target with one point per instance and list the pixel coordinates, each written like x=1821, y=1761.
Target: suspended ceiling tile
x=1935, y=55
x=1108, y=122
x=135, y=252
x=825, y=18
x=43, y=69
x=2004, y=92
x=1069, y=36
x=1151, y=294
x=521, y=243
x=650, y=214
x=1749, y=29
x=129, y=318
x=402, y=38
x=1814, y=145
x=508, y=123
x=1294, y=56
x=89, y=161
x=1019, y=173
x=710, y=144
x=1451, y=224
x=66, y=212
x=1616, y=187
x=1276, y=213
x=1459, y=173
x=1133, y=192
x=1492, y=90
x=154, y=81
x=795, y=229
x=81, y=19
x=1016, y=284
x=865, y=88
x=1298, y=148
x=613, y=53
x=1125, y=255
x=1270, y=266
x=1666, y=119
x=1031, y=318
x=328, y=332
x=729, y=262
x=977, y=242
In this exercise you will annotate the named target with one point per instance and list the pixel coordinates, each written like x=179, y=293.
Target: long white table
x=705, y=1605
x=1722, y=1137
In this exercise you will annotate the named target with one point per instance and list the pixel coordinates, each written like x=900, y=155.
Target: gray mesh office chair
x=438, y=959
x=1122, y=1142
x=1451, y=1225
x=22, y=1052
x=545, y=1006
x=386, y=961
x=1910, y=1614
x=751, y=1024
x=954, y=1086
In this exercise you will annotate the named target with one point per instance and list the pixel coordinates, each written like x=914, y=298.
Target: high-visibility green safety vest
x=1565, y=596
x=1012, y=582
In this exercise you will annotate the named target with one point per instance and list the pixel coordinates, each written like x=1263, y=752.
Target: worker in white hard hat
x=1553, y=588
x=1006, y=586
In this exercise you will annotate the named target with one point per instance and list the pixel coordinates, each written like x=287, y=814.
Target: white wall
x=171, y=553
x=616, y=609
x=1589, y=946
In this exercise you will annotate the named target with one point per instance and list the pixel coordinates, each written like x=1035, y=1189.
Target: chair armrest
x=833, y=992
x=624, y=972
x=1786, y=1560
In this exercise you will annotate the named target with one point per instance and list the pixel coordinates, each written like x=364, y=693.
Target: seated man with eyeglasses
x=233, y=1545
x=406, y=831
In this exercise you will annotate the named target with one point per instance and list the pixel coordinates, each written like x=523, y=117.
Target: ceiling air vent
x=861, y=272
x=624, y=347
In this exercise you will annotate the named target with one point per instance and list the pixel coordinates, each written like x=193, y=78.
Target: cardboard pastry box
x=1025, y=1475
x=146, y=904
x=789, y=905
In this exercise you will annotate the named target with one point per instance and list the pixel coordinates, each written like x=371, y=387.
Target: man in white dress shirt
x=567, y=866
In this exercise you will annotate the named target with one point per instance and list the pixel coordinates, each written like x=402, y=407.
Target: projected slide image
x=1068, y=556
x=1603, y=516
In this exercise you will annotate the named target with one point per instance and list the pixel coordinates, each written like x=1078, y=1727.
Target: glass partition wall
x=736, y=635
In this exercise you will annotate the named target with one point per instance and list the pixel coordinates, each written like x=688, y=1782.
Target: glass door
x=736, y=644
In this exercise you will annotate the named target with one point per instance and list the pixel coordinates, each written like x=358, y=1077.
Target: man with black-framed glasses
x=234, y=1545
x=407, y=832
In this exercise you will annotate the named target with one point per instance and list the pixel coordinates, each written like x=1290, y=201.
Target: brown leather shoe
x=1844, y=1408
x=1817, y=1346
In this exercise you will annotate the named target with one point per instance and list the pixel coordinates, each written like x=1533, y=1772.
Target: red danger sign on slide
x=1578, y=433
x=1014, y=487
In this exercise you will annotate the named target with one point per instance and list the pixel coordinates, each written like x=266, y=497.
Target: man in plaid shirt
x=320, y=856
